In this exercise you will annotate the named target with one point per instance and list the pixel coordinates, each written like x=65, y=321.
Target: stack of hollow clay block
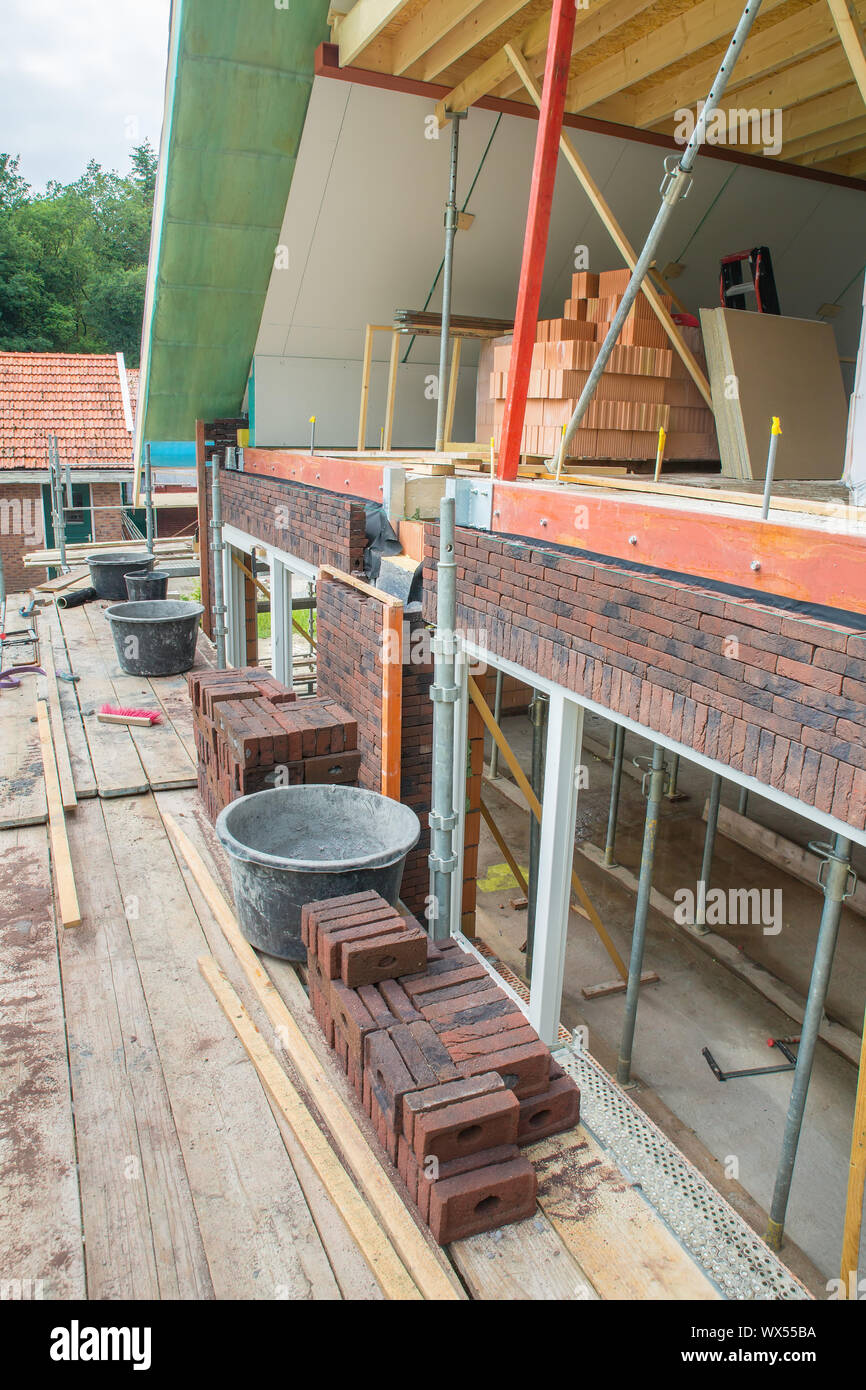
x=251, y=734
x=444, y=1062
x=645, y=386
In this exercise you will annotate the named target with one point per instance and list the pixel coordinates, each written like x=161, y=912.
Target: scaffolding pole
x=615, y=785
x=838, y=881
x=675, y=185
x=654, y=786
x=709, y=849
x=444, y=694
x=455, y=117
x=217, y=546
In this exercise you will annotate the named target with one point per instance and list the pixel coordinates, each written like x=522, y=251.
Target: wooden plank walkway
x=22, y=785
x=189, y=1185
x=41, y=1247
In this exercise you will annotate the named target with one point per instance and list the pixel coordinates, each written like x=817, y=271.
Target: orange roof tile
x=76, y=396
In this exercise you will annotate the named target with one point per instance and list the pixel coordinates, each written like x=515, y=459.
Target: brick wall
x=106, y=525
x=349, y=635
x=319, y=527
x=22, y=527
x=773, y=694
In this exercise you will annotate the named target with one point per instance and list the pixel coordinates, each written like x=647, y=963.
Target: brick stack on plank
x=645, y=386
x=252, y=733
x=444, y=1062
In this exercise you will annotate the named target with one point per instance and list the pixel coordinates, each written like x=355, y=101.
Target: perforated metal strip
x=730, y=1252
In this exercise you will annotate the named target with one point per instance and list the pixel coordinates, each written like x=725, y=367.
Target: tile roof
x=76, y=396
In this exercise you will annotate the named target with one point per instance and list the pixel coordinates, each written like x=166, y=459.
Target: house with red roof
x=87, y=401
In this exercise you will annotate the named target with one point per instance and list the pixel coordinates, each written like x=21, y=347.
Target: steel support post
x=838, y=881
x=709, y=847
x=497, y=715
x=743, y=801
x=615, y=785
x=217, y=546
x=444, y=694
x=148, y=498
x=654, y=787
x=556, y=73
x=555, y=865
x=538, y=719
x=455, y=118
x=282, y=632
x=675, y=185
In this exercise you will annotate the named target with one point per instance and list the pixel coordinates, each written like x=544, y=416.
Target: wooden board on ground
x=64, y=878
x=525, y=1261
x=116, y=764
x=256, y=1228
x=622, y=1245
x=355, y=1280
x=163, y=756
x=22, y=785
x=76, y=739
x=51, y=695
x=142, y=1240
x=40, y=1218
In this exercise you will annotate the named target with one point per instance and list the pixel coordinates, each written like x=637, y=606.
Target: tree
x=73, y=260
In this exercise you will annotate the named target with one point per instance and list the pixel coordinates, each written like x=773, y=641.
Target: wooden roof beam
x=427, y=28
x=530, y=42
x=484, y=20
x=851, y=37
x=702, y=24
x=591, y=25
x=820, y=139
x=796, y=37
x=821, y=113
x=599, y=21
x=825, y=153
x=357, y=30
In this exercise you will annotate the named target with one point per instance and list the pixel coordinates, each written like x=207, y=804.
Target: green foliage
x=73, y=260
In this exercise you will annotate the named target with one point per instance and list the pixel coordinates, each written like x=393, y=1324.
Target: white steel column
x=281, y=621
x=555, y=862
x=233, y=585
x=461, y=718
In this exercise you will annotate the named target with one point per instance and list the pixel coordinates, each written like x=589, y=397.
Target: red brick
x=388, y=957
x=449, y=1093
x=555, y=1110
x=482, y=1200
x=524, y=1070
x=466, y=1127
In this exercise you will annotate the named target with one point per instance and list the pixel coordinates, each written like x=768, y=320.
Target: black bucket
x=156, y=638
x=296, y=845
x=141, y=587
x=108, y=572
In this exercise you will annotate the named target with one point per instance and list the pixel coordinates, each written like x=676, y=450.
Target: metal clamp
x=438, y=822
x=442, y=866
x=825, y=852
x=677, y=183
x=445, y=644
x=444, y=694
x=643, y=760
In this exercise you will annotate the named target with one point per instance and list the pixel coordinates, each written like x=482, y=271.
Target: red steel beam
x=556, y=72
x=817, y=566
x=349, y=476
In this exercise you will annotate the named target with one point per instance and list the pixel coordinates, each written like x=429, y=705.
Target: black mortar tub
x=108, y=572
x=156, y=638
x=296, y=845
x=141, y=587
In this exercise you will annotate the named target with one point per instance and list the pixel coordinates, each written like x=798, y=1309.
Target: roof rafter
x=687, y=33
x=590, y=26
x=364, y=23
x=484, y=20
x=851, y=38
x=796, y=37
x=430, y=25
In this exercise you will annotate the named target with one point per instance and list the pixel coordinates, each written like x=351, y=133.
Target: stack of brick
x=252, y=733
x=445, y=1064
x=645, y=386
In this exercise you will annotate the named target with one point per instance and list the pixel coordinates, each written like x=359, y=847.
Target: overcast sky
x=80, y=80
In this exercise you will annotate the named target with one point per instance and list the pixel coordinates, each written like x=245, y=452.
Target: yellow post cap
x=777, y=425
